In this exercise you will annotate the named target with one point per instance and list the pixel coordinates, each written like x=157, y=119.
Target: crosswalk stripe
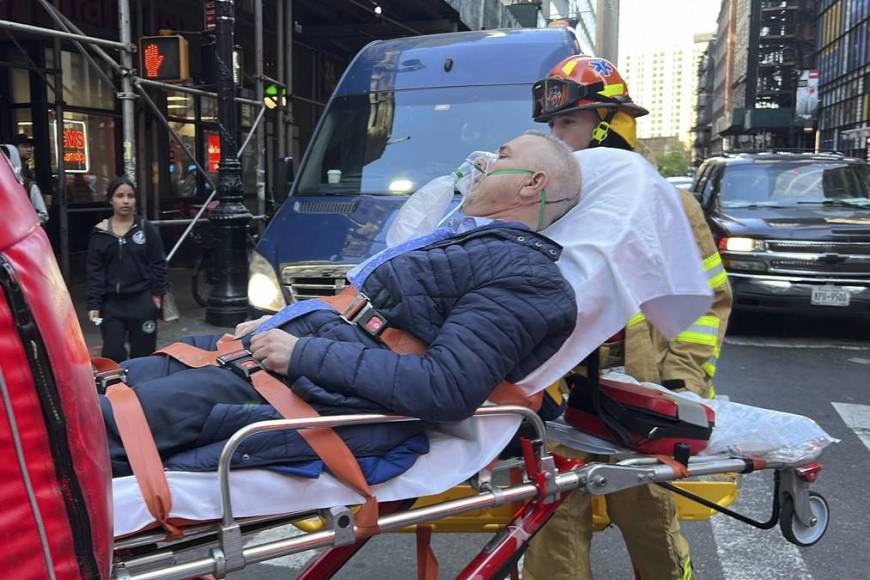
x=746, y=553
x=857, y=418
x=793, y=344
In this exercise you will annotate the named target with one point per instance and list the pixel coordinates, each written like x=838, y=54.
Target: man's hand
x=249, y=326
x=158, y=301
x=93, y=314
x=273, y=349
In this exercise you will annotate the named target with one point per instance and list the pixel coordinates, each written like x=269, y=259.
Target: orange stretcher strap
x=138, y=442
x=680, y=470
x=323, y=440
x=427, y=563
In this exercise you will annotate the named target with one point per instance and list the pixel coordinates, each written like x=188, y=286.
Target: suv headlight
x=264, y=289
x=741, y=245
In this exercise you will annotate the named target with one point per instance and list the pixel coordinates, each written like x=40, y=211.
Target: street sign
x=164, y=58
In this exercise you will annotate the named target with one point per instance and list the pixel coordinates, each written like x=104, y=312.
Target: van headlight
x=264, y=289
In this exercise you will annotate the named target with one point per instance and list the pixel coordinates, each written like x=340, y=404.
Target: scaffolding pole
x=261, y=133
x=59, y=34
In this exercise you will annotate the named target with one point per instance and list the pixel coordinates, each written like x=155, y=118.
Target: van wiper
x=846, y=201
x=749, y=204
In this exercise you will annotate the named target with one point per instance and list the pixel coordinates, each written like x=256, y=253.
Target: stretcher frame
x=548, y=479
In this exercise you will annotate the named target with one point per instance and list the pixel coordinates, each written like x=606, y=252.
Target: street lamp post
x=228, y=304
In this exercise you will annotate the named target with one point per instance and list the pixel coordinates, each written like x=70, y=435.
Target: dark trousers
x=132, y=318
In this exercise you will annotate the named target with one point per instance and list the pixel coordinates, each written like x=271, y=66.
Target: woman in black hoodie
x=126, y=276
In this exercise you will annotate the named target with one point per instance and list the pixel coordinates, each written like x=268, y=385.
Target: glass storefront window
x=182, y=171
x=88, y=148
x=82, y=87
x=180, y=106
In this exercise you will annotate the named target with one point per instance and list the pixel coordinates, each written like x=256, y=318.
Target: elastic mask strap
x=541, y=208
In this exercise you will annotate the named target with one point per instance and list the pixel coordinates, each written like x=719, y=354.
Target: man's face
x=501, y=191
x=575, y=128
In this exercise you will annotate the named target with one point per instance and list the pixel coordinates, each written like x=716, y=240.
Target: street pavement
x=814, y=367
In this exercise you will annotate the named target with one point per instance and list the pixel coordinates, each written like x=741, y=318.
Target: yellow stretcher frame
x=723, y=491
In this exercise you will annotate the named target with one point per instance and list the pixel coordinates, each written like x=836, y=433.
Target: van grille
x=789, y=246
x=314, y=280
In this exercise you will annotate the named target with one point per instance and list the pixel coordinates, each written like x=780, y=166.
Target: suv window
x=794, y=182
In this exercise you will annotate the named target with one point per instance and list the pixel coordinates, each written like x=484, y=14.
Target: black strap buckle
x=241, y=362
x=106, y=379
x=361, y=313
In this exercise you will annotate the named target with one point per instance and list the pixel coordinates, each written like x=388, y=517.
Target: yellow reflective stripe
x=712, y=261
x=688, y=570
x=718, y=280
x=716, y=275
x=704, y=331
x=611, y=90
x=569, y=67
x=711, y=394
x=701, y=338
x=710, y=366
x=636, y=319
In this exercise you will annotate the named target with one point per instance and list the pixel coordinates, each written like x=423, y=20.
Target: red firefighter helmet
x=582, y=82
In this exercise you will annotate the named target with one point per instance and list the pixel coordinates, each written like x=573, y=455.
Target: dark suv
x=793, y=230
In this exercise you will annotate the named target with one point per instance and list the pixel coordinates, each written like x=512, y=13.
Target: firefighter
x=586, y=103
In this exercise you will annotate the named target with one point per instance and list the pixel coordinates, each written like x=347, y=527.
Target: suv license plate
x=829, y=296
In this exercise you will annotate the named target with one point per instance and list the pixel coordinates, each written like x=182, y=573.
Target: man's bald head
x=531, y=167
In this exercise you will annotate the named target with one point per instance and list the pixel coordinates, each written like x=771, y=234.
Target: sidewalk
x=192, y=319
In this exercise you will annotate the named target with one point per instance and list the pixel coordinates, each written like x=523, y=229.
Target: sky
x=654, y=24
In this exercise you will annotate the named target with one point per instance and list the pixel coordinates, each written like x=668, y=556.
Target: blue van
x=406, y=111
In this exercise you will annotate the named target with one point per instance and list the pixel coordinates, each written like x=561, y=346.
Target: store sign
x=75, y=146
x=210, y=14
x=807, y=96
x=214, y=152
x=164, y=58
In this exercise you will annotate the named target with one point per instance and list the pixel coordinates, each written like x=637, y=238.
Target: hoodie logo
x=139, y=237
x=149, y=326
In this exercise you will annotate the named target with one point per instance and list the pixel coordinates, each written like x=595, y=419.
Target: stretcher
x=512, y=511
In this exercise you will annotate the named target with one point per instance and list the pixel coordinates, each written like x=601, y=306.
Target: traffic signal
x=275, y=95
x=164, y=58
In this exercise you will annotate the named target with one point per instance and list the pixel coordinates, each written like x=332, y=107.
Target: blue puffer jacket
x=490, y=303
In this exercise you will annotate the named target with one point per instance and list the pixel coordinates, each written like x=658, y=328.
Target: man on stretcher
x=483, y=295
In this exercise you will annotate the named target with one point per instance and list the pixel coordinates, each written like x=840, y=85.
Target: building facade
x=844, y=76
x=666, y=82
x=761, y=51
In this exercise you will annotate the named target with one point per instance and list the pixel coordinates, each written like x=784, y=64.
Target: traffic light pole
x=228, y=303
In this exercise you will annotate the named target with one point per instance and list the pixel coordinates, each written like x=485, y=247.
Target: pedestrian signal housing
x=164, y=58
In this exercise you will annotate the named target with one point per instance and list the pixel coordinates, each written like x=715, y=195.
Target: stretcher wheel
x=794, y=530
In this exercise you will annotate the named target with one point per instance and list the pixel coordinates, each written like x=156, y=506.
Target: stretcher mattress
x=456, y=452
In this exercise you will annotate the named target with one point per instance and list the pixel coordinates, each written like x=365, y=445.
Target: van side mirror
x=283, y=176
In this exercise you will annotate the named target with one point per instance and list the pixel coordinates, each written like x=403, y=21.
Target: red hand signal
x=153, y=60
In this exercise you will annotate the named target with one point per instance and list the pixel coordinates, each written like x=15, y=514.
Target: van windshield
x=393, y=142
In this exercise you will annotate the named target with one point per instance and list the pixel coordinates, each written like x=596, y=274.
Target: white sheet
x=455, y=454
x=627, y=247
